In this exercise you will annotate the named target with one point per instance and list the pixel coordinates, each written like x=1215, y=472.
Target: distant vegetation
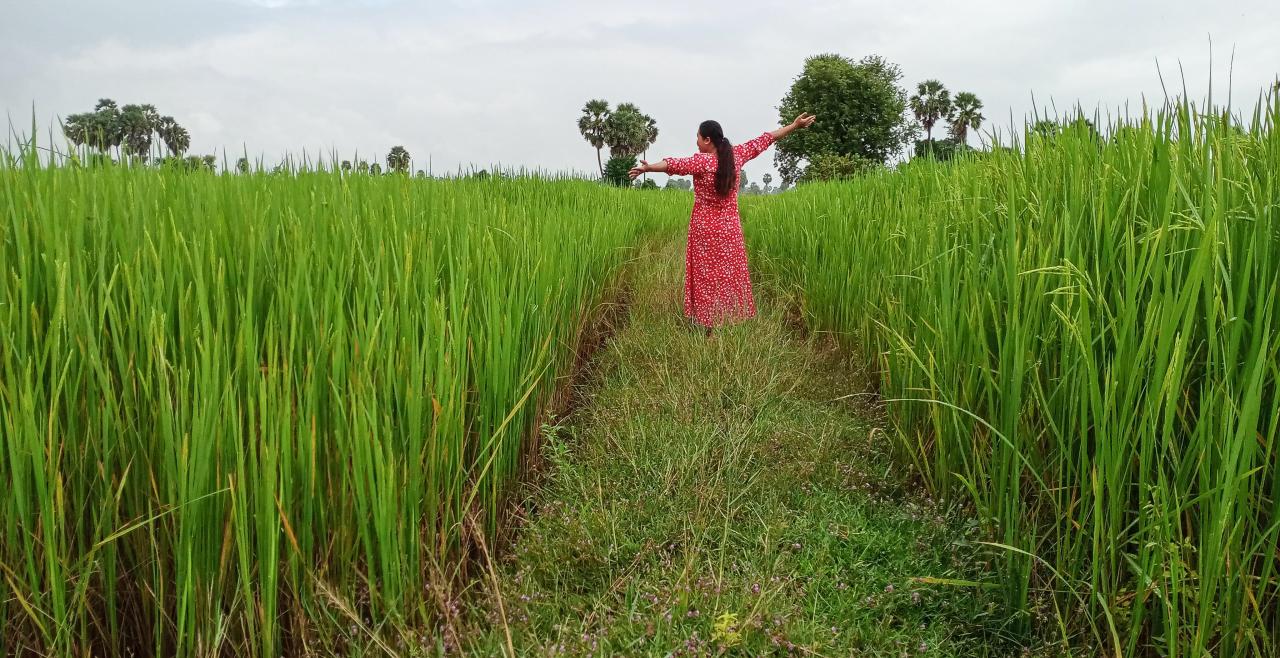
x=133, y=132
x=861, y=114
x=627, y=132
x=932, y=103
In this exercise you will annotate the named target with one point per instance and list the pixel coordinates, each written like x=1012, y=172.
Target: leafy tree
x=678, y=184
x=1045, y=128
x=931, y=103
x=831, y=166
x=967, y=113
x=420, y=174
x=627, y=131
x=362, y=167
x=210, y=162
x=767, y=178
x=940, y=149
x=398, y=160
x=592, y=126
x=649, y=184
x=242, y=165
x=860, y=108
x=617, y=170
x=742, y=179
x=375, y=169
x=346, y=166
x=753, y=189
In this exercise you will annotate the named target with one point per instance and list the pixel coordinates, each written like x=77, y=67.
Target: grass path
x=712, y=496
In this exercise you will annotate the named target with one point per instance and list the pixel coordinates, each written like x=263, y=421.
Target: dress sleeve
x=748, y=151
x=701, y=163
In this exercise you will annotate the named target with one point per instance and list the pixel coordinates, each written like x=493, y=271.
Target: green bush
x=831, y=166
x=615, y=171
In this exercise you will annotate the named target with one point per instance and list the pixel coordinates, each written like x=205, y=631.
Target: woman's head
x=711, y=140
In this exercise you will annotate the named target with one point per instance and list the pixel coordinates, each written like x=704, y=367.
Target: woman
x=717, y=284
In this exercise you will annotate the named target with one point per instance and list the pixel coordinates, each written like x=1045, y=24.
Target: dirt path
x=716, y=496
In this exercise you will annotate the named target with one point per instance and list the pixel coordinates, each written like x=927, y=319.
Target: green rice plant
x=242, y=414
x=1082, y=337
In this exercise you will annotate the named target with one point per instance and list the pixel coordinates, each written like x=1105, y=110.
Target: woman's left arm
x=803, y=121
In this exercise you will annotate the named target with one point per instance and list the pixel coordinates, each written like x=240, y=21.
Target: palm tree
x=592, y=126
x=398, y=159
x=346, y=166
x=242, y=165
x=767, y=178
x=138, y=125
x=967, y=114
x=931, y=102
x=650, y=136
x=175, y=137
x=79, y=128
x=100, y=129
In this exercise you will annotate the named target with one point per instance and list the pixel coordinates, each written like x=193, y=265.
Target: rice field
x=258, y=414
x=1081, y=337
x=241, y=411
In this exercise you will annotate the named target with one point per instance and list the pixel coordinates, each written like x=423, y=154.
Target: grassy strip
x=713, y=496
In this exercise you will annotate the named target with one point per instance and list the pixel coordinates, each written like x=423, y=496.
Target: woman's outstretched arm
x=659, y=167
x=749, y=150
x=803, y=121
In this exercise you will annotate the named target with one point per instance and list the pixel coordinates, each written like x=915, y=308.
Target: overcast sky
x=480, y=82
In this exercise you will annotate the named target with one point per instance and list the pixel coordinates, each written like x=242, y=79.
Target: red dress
x=717, y=284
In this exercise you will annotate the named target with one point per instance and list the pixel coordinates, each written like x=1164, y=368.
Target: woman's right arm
x=659, y=167
x=699, y=163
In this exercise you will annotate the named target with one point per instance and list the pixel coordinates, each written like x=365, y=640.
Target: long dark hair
x=724, y=156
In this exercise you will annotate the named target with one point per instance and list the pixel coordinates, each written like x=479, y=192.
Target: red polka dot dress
x=717, y=284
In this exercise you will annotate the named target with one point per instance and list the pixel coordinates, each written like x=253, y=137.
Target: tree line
x=867, y=119
x=133, y=130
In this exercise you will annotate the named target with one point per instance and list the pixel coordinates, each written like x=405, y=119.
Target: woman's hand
x=641, y=168
x=804, y=120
